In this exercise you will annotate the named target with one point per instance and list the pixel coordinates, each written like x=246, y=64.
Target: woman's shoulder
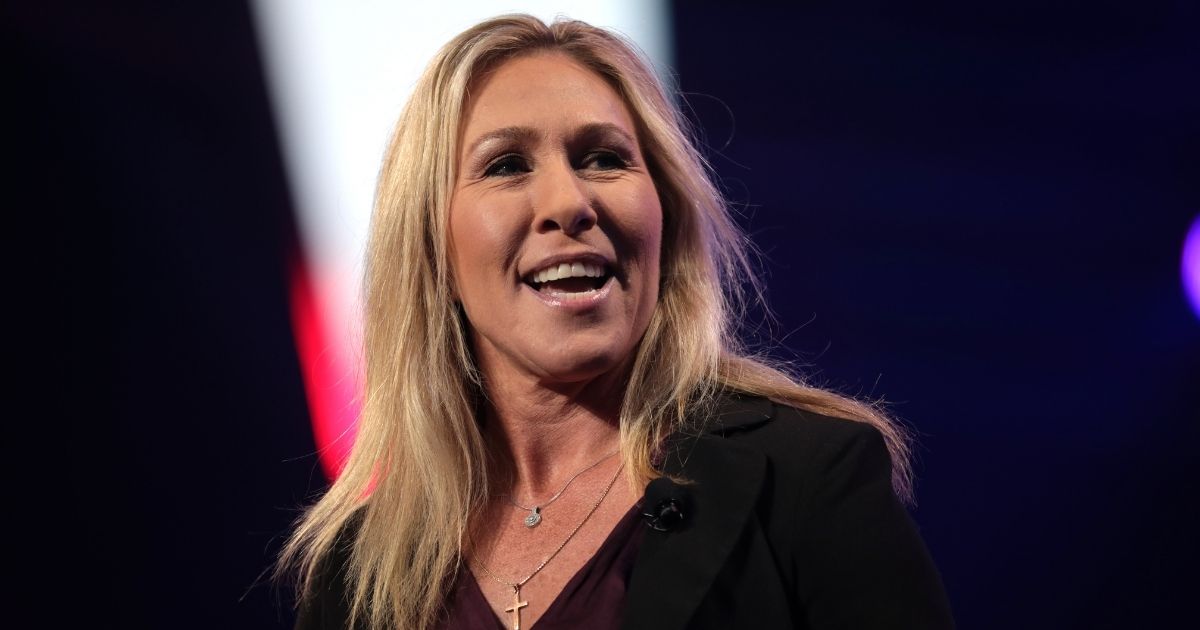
x=808, y=454
x=832, y=517
x=779, y=429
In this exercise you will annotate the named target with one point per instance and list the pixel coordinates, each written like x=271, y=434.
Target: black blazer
x=790, y=522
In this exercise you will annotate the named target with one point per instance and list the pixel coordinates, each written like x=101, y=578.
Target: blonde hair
x=419, y=466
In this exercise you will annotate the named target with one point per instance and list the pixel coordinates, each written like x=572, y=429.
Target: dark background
x=974, y=213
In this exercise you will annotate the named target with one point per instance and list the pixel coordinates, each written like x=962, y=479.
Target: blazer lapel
x=674, y=570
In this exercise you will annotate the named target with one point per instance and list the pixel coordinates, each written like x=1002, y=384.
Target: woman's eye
x=507, y=166
x=604, y=160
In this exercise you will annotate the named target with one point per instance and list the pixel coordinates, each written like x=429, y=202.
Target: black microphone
x=665, y=505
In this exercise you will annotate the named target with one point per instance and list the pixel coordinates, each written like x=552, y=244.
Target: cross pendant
x=516, y=607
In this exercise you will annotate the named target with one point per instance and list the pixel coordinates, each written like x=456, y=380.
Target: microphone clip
x=665, y=505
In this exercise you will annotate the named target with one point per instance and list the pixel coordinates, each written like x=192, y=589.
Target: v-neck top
x=593, y=598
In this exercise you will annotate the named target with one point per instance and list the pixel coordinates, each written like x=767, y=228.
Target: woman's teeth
x=570, y=295
x=568, y=270
x=569, y=280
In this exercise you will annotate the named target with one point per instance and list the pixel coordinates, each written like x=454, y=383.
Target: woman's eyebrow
x=600, y=130
x=506, y=134
x=518, y=134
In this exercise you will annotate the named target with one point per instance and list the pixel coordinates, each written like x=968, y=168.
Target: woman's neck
x=551, y=433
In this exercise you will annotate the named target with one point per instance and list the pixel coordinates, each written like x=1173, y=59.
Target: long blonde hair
x=419, y=466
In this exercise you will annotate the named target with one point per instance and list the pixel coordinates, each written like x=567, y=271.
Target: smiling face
x=555, y=223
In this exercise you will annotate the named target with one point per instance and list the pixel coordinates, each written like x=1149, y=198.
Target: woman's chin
x=561, y=362
x=579, y=369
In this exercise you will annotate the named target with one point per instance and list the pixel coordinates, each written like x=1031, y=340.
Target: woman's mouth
x=569, y=281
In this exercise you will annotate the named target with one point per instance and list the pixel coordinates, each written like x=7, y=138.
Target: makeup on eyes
x=587, y=141
x=505, y=160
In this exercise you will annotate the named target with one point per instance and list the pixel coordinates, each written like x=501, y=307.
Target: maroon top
x=593, y=599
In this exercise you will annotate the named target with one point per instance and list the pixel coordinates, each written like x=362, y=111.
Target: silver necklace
x=517, y=604
x=535, y=513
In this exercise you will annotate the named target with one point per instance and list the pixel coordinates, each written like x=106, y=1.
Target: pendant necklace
x=517, y=604
x=535, y=513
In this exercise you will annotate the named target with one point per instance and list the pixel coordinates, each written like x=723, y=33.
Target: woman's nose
x=563, y=202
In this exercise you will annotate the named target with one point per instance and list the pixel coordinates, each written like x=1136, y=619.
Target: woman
x=550, y=287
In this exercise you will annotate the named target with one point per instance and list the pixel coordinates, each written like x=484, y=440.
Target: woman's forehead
x=547, y=92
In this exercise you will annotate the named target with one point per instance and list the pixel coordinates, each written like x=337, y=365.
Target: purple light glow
x=1191, y=265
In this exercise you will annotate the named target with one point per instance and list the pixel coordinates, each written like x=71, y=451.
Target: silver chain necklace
x=535, y=513
x=517, y=604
